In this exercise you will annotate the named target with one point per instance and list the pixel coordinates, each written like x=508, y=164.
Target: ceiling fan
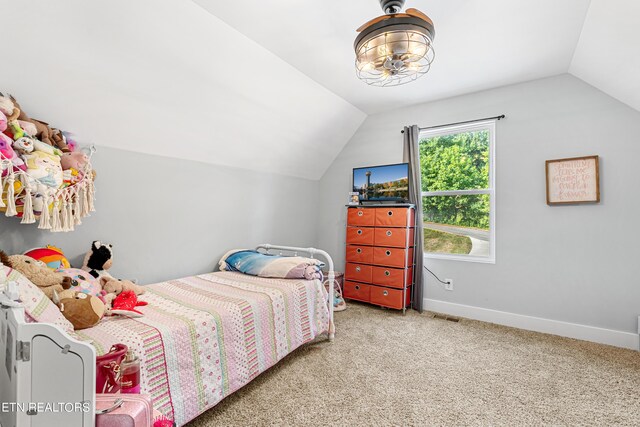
x=395, y=48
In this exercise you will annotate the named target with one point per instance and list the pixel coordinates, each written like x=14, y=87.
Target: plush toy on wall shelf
x=55, y=179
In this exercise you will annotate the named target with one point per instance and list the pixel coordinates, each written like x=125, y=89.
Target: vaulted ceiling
x=480, y=44
x=270, y=85
x=168, y=78
x=608, y=53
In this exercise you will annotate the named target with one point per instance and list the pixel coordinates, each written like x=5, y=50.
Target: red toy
x=125, y=304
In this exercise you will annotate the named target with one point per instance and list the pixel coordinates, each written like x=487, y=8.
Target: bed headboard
x=40, y=365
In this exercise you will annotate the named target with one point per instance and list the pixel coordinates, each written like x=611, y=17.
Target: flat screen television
x=382, y=184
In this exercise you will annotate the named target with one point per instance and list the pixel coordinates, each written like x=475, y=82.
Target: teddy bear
x=81, y=310
x=115, y=286
x=4, y=259
x=39, y=274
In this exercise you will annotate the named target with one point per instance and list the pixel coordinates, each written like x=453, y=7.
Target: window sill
x=465, y=258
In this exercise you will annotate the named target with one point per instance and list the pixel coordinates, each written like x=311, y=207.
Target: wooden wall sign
x=573, y=180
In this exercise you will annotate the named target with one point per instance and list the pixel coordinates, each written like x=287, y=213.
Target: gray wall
x=571, y=263
x=172, y=218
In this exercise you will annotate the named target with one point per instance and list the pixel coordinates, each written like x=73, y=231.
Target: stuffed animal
x=81, y=281
x=16, y=130
x=24, y=145
x=28, y=128
x=53, y=257
x=44, y=133
x=4, y=259
x=70, y=139
x=76, y=160
x=82, y=310
x=9, y=153
x=125, y=304
x=3, y=122
x=98, y=260
x=45, y=168
x=39, y=274
x=6, y=106
x=41, y=146
x=116, y=286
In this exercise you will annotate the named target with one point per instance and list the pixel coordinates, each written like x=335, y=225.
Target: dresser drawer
x=392, y=257
x=358, y=272
x=360, y=235
x=361, y=216
x=392, y=277
x=389, y=236
x=359, y=254
x=357, y=291
x=393, y=217
x=388, y=297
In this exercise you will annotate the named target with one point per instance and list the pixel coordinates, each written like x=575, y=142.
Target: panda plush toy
x=98, y=260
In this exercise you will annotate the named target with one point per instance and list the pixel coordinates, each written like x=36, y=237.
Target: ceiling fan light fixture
x=396, y=48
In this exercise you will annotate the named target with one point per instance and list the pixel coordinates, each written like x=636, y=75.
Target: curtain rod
x=500, y=117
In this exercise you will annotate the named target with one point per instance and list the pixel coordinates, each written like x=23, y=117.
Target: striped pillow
x=36, y=305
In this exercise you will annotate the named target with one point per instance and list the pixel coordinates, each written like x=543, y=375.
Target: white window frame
x=489, y=125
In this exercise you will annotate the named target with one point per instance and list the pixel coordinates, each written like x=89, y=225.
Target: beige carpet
x=388, y=369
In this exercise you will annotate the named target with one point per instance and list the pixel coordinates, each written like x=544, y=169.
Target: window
x=458, y=192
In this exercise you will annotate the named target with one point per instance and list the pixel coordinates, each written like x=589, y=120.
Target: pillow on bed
x=255, y=263
x=36, y=304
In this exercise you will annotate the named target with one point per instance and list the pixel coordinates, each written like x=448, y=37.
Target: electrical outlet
x=449, y=284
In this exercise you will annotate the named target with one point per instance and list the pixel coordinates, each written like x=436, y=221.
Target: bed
x=202, y=338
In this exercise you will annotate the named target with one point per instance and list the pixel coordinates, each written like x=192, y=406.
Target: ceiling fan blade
x=416, y=13
x=373, y=21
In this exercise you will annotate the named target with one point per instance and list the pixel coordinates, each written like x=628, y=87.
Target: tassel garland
x=92, y=191
x=56, y=226
x=85, y=201
x=45, y=223
x=11, y=197
x=70, y=222
x=77, y=218
x=27, y=209
x=64, y=217
x=2, y=205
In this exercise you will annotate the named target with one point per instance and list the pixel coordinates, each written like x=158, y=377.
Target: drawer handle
x=359, y=231
x=389, y=233
x=390, y=213
x=360, y=213
x=358, y=268
x=388, y=253
x=385, y=293
x=357, y=287
x=359, y=250
x=387, y=273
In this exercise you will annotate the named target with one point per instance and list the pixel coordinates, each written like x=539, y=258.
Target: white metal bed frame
x=39, y=363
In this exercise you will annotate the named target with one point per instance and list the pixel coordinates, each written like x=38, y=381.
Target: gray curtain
x=411, y=155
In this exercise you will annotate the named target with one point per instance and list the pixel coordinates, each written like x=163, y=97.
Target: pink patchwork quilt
x=204, y=337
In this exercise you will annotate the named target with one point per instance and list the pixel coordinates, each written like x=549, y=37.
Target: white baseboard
x=537, y=324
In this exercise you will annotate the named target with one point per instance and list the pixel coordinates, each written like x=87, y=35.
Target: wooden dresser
x=379, y=254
